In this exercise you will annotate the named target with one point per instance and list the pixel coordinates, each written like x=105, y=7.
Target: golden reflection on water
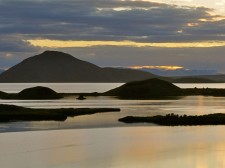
x=131, y=147
x=200, y=110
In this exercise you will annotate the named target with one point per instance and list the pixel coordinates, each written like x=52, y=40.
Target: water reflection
x=191, y=105
x=131, y=147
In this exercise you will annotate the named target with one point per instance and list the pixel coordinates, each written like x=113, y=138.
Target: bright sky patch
x=69, y=43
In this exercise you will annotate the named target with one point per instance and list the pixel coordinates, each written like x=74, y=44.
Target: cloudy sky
x=184, y=33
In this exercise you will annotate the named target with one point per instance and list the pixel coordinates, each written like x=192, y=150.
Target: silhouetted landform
x=193, y=80
x=54, y=66
x=3, y=94
x=34, y=93
x=178, y=120
x=159, y=89
x=1, y=71
x=217, y=78
x=10, y=113
x=198, y=79
x=146, y=89
x=204, y=92
x=179, y=72
x=81, y=97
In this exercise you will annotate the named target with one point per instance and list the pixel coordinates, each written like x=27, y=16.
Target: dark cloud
x=104, y=20
x=14, y=43
x=192, y=58
x=97, y=20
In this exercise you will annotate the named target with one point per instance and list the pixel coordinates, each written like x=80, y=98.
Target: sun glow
x=158, y=67
x=82, y=44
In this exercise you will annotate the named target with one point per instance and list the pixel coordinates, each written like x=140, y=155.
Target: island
x=159, y=89
x=34, y=93
x=178, y=120
x=146, y=89
x=138, y=90
x=12, y=113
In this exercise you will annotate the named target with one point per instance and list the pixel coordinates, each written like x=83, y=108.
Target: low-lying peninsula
x=10, y=113
x=178, y=120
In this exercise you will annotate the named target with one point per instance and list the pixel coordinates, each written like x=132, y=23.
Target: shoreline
x=12, y=113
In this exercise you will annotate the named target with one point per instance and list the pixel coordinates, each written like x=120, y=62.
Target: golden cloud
x=82, y=44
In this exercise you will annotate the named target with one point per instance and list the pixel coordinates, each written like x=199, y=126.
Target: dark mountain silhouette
x=54, y=66
x=1, y=71
x=217, y=78
x=193, y=80
x=146, y=89
x=179, y=72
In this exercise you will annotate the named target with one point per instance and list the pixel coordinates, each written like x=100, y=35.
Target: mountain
x=1, y=71
x=218, y=78
x=179, y=72
x=193, y=80
x=54, y=66
x=146, y=89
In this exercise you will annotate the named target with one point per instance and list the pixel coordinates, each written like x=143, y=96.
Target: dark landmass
x=217, y=78
x=158, y=89
x=81, y=97
x=3, y=94
x=54, y=66
x=179, y=72
x=198, y=79
x=11, y=113
x=204, y=92
x=1, y=71
x=147, y=89
x=176, y=120
x=34, y=93
x=193, y=80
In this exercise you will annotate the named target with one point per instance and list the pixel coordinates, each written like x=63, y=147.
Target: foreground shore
x=176, y=120
x=10, y=113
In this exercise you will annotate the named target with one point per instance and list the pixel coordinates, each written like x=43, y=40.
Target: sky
x=117, y=33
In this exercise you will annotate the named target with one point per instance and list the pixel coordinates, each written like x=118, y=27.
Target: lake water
x=130, y=147
x=61, y=87
x=89, y=87
x=99, y=140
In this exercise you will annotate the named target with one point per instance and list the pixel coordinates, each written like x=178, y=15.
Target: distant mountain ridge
x=54, y=66
x=1, y=71
x=179, y=72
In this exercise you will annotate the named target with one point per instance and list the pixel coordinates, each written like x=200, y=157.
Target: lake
x=89, y=87
x=130, y=147
x=99, y=140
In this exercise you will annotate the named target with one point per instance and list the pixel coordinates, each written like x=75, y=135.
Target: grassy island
x=146, y=89
x=34, y=93
x=178, y=120
x=9, y=113
x=159, y=89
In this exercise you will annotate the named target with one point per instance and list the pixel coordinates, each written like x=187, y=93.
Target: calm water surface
x=192, y=105
x=132, y=147
x=61, y=87
x=89, y=87
x=104, y=142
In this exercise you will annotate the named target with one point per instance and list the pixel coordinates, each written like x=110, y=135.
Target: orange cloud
x=158, y=67
x=82, y=44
